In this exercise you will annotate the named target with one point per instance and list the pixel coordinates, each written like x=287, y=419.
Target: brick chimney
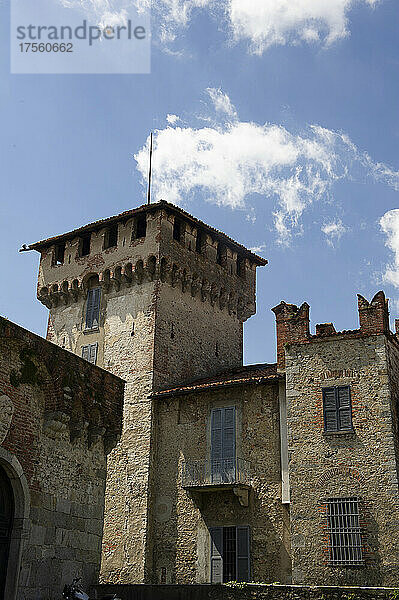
x=292, y=324
x=374, y=315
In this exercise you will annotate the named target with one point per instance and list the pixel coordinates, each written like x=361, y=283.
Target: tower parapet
x=158, y=298
x=153, y=242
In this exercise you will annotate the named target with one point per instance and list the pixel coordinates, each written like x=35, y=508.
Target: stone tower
x=158, y=298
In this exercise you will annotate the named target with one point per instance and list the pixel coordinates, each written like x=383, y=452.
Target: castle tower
x=158, y=298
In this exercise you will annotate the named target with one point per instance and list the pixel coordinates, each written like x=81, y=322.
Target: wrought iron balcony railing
x=209, y=473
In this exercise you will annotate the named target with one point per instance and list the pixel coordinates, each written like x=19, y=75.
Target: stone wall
x=182, y=518
x=358, y=463
x=245, y=592
x=59, y=417
x=168, y=314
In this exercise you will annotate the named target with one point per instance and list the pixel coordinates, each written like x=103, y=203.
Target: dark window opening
x=337, y=407
x=199, y=242
x=85, y=245
x=230, y=554
x=59, y=254
x=177, y=230
x=132, y=334
x=111, y=237
x=345, y=537
x=141, y=227
x=217, y=349
x=89, y=353
x=221, y=256
x=172, y=332
x=240, y=266
x=93, y=308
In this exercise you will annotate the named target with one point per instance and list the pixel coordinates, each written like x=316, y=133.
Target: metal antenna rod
x=150, y=174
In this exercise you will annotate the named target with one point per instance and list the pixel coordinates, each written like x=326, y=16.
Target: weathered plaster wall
x=61, y=416
x=182, y=519
x=324, y=465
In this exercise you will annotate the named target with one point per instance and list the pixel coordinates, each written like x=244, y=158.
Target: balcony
x=218, y=475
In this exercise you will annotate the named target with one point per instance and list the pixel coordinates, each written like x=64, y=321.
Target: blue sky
x=275, y=121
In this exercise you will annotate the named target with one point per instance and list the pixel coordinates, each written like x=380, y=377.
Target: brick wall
x=64, y=415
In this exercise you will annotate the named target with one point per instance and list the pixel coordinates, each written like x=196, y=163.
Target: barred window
x=345, y=540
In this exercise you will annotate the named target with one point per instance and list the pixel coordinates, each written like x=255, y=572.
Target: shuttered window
x=223, y=444
x=230, y=554
x=93, y=308
x=344, y=532
x=337, y=408
x=89, y=353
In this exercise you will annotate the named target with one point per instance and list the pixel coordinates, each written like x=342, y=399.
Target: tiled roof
x=146, y=208
x=250, y=374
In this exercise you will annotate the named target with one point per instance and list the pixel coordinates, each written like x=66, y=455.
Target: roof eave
x=212, y=387
x=38, y=246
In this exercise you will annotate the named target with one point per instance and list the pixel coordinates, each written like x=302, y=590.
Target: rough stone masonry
x=273, y=472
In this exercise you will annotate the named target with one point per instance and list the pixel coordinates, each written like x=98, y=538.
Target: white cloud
x=263, y=23
x=266, y=23
x=172, y=119
x=228, y=160
x=333, y=231
x=258, y=249
x=222, y=102
x=260, y=23
x=389, y=224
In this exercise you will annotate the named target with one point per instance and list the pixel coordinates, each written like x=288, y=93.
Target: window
x=59, y=254
x=337, y=407
x=93, y=308
x=85, y=245
x=141, y=227
x=199, y=242
x=223, y=445
x=89, y=353
x=221, y=256
x=111, y=237
x=345, y=540
x=177, y=230
x=230, y=549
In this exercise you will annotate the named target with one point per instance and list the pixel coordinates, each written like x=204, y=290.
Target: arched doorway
x=6, y=521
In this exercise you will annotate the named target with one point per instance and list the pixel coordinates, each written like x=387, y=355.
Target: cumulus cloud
x=266, y=23
x=259, y=23
x=389, y=224
x=263, y=23
x=333, y=231
x=228, y=161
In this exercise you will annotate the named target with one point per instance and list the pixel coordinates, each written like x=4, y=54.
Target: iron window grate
x=345, y=536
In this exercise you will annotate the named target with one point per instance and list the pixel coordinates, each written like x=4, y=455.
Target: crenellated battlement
x=157, y=242
x=293, y=323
